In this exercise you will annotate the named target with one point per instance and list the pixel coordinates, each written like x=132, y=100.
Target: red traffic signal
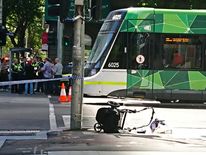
x=44, y=38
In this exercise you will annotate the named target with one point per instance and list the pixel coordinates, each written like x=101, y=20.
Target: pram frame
x=98, y=127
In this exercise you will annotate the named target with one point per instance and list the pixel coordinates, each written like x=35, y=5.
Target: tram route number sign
x=140, y=59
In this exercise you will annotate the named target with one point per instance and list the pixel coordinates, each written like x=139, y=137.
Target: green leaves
x=19, y=16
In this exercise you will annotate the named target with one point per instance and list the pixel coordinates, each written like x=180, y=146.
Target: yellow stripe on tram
x=66, y=75
x=100, y=82
x=104, y=83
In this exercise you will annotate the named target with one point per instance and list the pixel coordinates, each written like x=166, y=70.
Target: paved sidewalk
x=74, y=142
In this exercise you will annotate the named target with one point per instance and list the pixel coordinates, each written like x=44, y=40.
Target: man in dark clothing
x=29, y=75
x=4, y=72
x=21, y=74
x=14, y=75
x=35, y=65
x=40, y=85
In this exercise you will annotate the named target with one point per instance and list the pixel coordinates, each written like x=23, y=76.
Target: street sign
x=140, y=59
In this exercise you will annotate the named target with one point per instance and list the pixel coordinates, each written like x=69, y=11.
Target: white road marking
x=52, y=117
x=39, y=135
x=19, y=131
x=2, y=142
x=67, y=121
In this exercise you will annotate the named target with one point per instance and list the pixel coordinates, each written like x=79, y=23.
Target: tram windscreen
x=103, y=42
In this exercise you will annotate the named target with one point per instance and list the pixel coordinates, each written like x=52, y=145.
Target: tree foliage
x=20, y=16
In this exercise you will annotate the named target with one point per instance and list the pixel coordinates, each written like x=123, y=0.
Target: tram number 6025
x=113, y=65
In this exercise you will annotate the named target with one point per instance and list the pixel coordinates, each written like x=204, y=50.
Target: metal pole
x=76, y=105
x=60, y=27
x=10, y=63
x=1, y=6
x=83, y=49
x=1, y=2
x=1, y=52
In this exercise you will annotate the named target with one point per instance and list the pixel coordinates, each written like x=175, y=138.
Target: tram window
x=138, y=44
x=117, y=57
x=166, y=51
x=182, y=52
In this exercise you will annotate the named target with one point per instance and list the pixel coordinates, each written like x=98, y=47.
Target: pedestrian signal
x=3, y=32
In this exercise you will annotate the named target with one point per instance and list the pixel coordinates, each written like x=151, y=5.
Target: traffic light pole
x=60, y=27
x=1, y=2
x=0, y=51
x=77, y=91
x=1, y=6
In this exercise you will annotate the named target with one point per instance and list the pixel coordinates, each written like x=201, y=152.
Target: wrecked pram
x=112, y=119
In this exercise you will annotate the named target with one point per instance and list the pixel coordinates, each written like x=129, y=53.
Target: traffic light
x=100, y=9
x=87, y=6
x=62, y=8
x=53, y=7
x=3, y=32
x=52, y=37
x=66, y=40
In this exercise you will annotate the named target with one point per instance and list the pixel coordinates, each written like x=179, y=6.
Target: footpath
x=88, y=142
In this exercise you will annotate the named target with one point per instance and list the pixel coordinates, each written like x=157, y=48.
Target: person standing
x=4, y=72
x=29, y=75
x=40, y=86
x=21, y=74
x=58, y=68
x=48, y=70
x=35, y=65
x=14, y=75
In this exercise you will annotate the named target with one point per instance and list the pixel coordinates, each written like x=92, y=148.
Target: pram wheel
x=98, y=127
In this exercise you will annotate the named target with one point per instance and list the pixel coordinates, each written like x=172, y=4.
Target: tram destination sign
x=177, y=40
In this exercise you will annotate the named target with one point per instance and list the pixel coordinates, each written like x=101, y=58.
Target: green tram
x=152, y=53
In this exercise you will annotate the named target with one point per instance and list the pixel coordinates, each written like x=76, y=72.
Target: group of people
x=33, y=69
x=52, y=70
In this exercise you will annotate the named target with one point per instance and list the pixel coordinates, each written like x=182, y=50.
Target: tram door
x=139, y=49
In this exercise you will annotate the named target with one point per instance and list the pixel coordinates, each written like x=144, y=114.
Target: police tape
x=6, y=83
